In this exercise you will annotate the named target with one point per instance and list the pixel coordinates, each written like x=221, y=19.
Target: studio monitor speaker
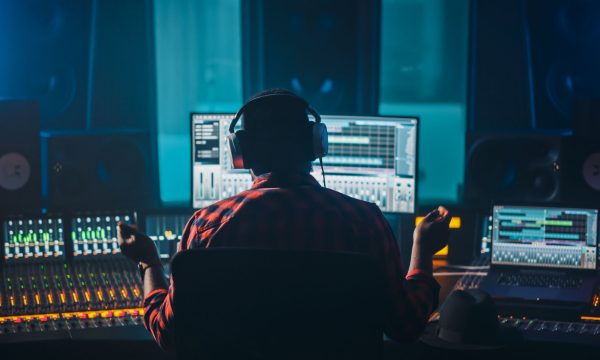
x=20, y=185
x=104, y=169
x=581, y=170
x=513, y=167
x=46, y=48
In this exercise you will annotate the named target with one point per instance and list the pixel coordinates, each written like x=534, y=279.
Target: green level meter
x=31, y=238
x=90, y=234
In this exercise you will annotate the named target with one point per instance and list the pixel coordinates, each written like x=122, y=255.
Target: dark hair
x=279, y=125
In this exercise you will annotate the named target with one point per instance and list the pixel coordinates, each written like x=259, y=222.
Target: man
x=287, y=208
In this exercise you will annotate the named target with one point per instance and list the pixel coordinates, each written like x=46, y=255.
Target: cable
x=460, y=273
x=322, y=171
x=463, y=267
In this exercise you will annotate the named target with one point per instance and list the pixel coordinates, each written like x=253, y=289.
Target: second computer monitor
x=370, y=158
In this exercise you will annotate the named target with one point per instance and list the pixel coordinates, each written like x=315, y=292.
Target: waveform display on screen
x=558, y=227
x=33, y=238
x=538, y=236
x=371, y=144
x=96, y=234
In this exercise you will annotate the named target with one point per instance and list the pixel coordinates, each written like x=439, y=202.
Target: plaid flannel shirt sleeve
x=410, y=299
x=158, y=304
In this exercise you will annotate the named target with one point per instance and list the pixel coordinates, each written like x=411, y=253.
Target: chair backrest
x=273, y=304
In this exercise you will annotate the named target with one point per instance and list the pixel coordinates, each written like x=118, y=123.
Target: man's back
x=290, y=212
x=287, y=209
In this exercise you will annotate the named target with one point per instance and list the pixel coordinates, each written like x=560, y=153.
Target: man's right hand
x=135, y=245
x=432, y=234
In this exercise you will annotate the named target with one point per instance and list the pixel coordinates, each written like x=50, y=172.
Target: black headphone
x=240, y=140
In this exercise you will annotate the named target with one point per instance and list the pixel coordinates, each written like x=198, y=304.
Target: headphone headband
x=308, y=108
x=244, y=150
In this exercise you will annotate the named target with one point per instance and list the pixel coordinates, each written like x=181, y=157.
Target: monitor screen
x=166, y=231
x=96, y=234
x=548, y=237
x=36, y=238
x=486, y=234
x=370, y=158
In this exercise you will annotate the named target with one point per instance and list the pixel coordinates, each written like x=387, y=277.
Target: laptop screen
x=547, y=237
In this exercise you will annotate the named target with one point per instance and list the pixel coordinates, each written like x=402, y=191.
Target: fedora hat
x=469, y=321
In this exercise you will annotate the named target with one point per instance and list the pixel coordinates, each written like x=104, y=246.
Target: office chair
x=274, y=304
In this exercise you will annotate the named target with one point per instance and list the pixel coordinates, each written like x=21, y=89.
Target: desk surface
x=446, y=282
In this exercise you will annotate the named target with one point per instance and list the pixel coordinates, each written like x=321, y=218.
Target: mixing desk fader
x=61, y=276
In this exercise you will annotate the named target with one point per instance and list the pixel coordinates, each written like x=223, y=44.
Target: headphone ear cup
x=320, y=140
x=235, y=149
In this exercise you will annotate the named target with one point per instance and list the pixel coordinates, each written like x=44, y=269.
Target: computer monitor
x=551, y=237
x=370, y=158
x=485, y=234
x=96, y=234
x=33, y=238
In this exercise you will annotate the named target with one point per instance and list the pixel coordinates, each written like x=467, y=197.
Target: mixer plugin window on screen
x=370, y=158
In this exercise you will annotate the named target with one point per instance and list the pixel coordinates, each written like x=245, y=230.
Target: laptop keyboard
x=539, y=280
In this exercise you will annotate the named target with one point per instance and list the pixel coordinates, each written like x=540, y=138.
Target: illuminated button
x=18, y=320
x=43, y=318
x=83, y=316
x=135, y=313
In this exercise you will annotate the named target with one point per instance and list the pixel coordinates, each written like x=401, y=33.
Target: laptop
x=543, y=254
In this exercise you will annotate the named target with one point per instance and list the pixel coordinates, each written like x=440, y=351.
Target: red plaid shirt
x=295, y=212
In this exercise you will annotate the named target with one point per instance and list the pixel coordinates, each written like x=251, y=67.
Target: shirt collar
x=283, y=180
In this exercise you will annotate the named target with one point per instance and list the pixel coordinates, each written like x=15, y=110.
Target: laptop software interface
x=545, y=237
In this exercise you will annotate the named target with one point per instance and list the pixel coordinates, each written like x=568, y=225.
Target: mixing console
x=96, y=235
x=29, y=237
x=166, y=229
x=44, y=291
x=59, y=287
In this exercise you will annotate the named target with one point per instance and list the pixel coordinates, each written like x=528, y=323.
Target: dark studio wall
x=532, y=62
x=90, y=65
x=534, y=90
